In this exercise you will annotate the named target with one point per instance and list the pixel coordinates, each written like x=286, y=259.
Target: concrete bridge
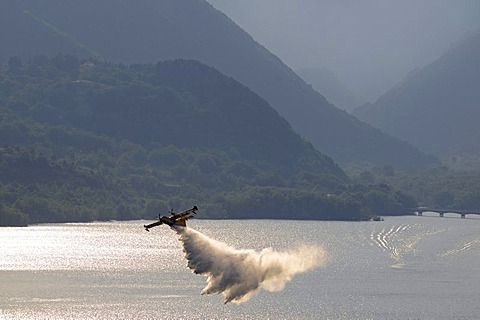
x=441, y=212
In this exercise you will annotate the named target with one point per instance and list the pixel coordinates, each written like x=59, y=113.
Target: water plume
x=239, y=274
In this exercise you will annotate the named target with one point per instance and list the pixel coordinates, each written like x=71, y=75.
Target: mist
x=369, y=45
x=239, y=274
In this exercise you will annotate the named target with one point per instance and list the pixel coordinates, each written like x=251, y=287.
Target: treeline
x=36, y=188
x=437, y=187
x=357, y=202
x=84, y=140
x=53, y=190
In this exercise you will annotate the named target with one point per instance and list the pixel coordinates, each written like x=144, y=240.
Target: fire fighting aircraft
x=174, y=219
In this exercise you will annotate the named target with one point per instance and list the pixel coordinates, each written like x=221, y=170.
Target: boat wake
x=239, y=274
x=462, y=248
x=399, y=241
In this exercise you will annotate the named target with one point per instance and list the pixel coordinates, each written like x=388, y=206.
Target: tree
x=12, y=217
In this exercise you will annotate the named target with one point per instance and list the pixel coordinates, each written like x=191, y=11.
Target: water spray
x=239, y=274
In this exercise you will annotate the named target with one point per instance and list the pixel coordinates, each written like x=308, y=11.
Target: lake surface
x=401, y=268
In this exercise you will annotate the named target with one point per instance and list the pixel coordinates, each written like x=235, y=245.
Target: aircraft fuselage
x=175, y=219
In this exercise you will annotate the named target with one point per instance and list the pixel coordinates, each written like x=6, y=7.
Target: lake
x=402, y=268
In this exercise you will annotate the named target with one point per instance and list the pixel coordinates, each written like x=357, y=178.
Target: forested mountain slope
x=149, y=31
x=83, y=140
x=436, y=108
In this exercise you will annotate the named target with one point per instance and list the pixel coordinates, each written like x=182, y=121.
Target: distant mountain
x=436, y=108
x=148, y=31
x=325, y=82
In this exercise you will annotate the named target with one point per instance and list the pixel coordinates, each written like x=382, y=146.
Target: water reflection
x=404, y=267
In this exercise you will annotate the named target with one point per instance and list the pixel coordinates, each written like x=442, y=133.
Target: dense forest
x=436, y=187
x=85, y=140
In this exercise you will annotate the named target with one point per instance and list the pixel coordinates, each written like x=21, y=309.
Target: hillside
x=436, y=108
x=146, y=31
x=181, y=103
x=84, y=140
x=325, y=81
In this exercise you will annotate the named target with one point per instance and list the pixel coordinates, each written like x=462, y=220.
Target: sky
x=370, y=45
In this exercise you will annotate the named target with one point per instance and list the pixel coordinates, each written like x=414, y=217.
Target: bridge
x=441, y=212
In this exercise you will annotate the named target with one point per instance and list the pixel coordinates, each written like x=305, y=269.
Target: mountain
x=325, y=81
x=84, y=140
x=437, y=107
x=148, y=31
x=182, y=103
x=369, y=46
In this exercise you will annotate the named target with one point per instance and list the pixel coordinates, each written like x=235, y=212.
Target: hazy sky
x=369, y=44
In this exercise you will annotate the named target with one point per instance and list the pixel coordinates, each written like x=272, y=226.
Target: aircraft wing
x=151, y=225
x=178, y=215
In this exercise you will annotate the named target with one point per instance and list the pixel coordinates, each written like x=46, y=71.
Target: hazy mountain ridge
x=370, y=46
x=325, y=81
x=435, y=107
x=195, y=30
